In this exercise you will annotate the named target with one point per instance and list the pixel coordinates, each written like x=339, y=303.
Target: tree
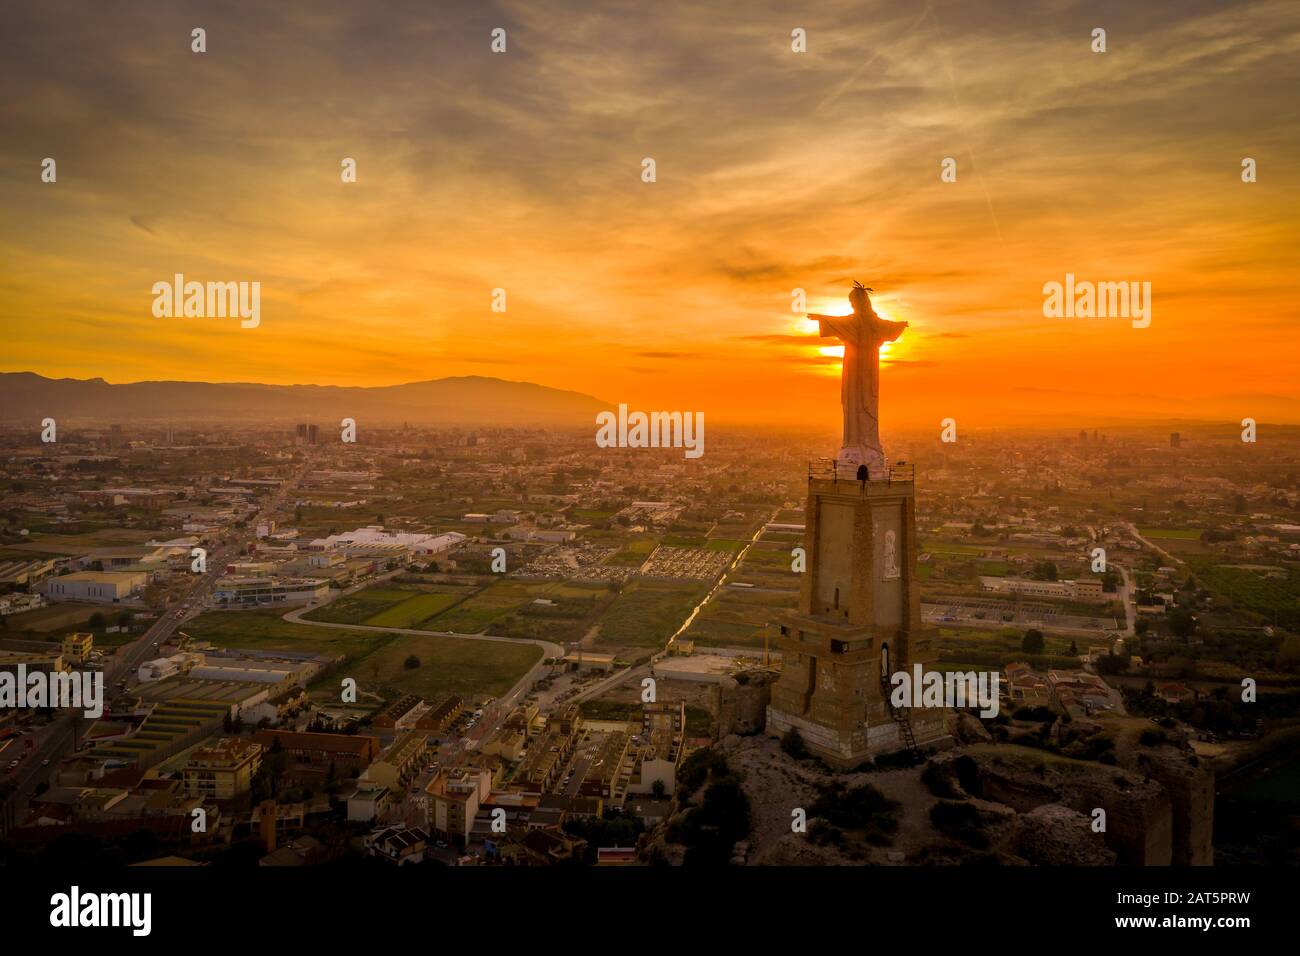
x=1182, y=622
x=658, y=790
x=1112, y=664
x=1074, y=648
x=411, y=662
x=1033, y=642
x=1044, y=571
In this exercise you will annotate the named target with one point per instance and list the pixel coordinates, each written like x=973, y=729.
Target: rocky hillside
x=980, y=802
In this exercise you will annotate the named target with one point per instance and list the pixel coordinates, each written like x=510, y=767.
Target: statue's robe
x=862, y=336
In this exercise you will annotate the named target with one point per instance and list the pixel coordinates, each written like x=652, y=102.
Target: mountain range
x=26, y=397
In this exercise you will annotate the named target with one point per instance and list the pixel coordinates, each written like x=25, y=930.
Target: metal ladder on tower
x=899, y=715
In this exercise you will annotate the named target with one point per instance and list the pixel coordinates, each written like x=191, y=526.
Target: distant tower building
x=267, y=822
x=114, y=436
x=1175, y=439
x=1083, y=435
x=306, y=435
x=313, y=435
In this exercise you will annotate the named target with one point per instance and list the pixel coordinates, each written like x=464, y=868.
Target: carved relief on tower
x=890, y=569
x=887, y=555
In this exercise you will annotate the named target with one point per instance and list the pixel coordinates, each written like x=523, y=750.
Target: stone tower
x=859, y=620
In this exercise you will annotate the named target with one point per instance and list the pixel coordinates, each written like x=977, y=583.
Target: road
x=644, y=670
x=1156, y=548
x=1128, y=595
x=129, y=658
x=59, y=735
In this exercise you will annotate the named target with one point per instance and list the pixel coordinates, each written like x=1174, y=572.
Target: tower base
x=846, y=750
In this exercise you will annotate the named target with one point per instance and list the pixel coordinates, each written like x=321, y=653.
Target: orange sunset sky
x=775, y=171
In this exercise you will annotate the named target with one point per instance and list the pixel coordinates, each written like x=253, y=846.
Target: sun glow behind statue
x=821, y=353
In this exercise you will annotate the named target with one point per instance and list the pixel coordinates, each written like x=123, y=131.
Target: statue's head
x=859, y=299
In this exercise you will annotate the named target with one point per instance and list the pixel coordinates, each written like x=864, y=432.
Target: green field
x=358, y=607
x=683, y=540
x=713, y=632
x=769, y=559
x=957, y=550
x=1275, y=599
x=414, y=610
x=1181, y=534
x=724, y=544
x=739, y=617
x=634, y=553
x=462, y=666
x=74, y=544
x=387, y=606
x=51, y=618
x=572, y=590
x=267, y=631
x=475, y=614
x=53, y=622
x=377, y=660
x=647, y=613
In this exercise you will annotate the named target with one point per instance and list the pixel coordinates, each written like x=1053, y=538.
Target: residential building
x=223, y=770
x=399, y=764
x=77, y=647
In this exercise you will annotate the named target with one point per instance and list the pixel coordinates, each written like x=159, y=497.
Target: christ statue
x=862, y=333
